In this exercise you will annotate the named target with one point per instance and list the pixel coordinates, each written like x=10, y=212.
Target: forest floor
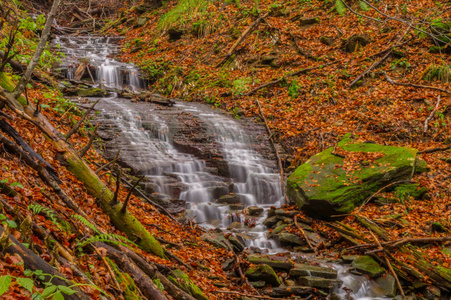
x=306, y=113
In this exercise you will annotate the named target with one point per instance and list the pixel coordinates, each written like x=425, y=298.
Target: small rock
x=327, y=40
x=309, y=270
x=263, y=273
x=230, y=199
x=255, y=211
x=284, y=213
x=290, y=238
x=291, y=290
x=308, y=21
x=320, y=283
x=367, y=265
x=228, y=264
x=258, y=284
x=432, y=293
x=271, y=221
x=216, y=239
x=235, y=225
x=175, y=34
x=349, y=258
x=141, y=21
x=236, y=244
x=275, y=262
x=438, y=227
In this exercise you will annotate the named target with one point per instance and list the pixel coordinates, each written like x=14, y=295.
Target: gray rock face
x=385, y=286
x=255, y=211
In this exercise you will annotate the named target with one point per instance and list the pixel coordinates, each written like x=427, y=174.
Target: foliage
x=112, y=238
x=86, y=223
x=437, y=72
x=189, y=15
x=6, y=221
x=294, y=89
x=241, y=85
x=340, y=7
x=51, y=215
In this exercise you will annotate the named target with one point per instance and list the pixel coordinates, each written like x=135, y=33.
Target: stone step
x=319, y=283
x=276, y=262
x=301, y=270
x=287, y=291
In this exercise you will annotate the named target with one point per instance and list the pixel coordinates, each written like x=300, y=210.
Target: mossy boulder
x=180, y=279
x=367, y=265
x=276, y=262
x=263, y=273
x=91, y=92
x=340, y=178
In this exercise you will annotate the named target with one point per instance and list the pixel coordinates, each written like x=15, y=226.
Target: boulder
x=263, y=273
x=291, y=290
x=231, y=199
x=276, y=262
x=272, y=221
x=319, y=283
x=237, y=246
x=340, y=178
x=367, y=265
x=216, y=239
x=301, y=270
x=385, y=286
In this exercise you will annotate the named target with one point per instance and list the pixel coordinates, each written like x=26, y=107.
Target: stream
x=225, y=166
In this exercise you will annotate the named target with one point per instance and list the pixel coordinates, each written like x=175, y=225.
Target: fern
x=86, y=223
x=51, y=215
x=340, y=7
x=107, y=238
x=363, y=6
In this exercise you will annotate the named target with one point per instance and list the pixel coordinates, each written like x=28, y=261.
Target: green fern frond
x=340, y=7
x=86, y=223
x=51, y=215
x=107, y=238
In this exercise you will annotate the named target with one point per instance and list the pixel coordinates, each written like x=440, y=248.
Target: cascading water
x=143, y=134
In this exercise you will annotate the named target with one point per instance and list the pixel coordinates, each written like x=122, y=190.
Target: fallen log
x=34, y=262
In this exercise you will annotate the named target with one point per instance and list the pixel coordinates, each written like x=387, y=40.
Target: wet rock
x=235, y=225
x=432, y=293
x=275, y=262
x=291, y=290
x=231, y=199
x=308, y=21
x=258, y=284
x=237, y=246
x=405, y=191
x=216, y=239
x=91, y=92
x=349, y=258
x=284, y=213
x=367, y=265
x=301, y=270
x=277, y=230
x=322, y=186
x=219, y=191
x=228, y=264
x=255, y=211
x=385, y=286
x=289, y=238
x=320, y=283
x=271, y=221
x=263, y=273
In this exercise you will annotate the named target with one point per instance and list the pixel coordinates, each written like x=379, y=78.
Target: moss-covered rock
x=302, y=270
x=276, y=262
x=263, y=273
x=332, y=183
x=180, y=279
x=367, y=265
x=91, y=92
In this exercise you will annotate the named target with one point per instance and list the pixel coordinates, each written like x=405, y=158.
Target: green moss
x=323, y=181
x=367, y=265
x=7, y=83
x=263, y=272
x=180, y=279
x=131, y=291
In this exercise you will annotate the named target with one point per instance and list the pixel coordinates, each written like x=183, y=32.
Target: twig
x=389, y=265
x=303, y=232
x=301, y=71
x=243, y=294
x=91, y=140
x=75, y=128
x=176, y=258
x=161, y=240
x=434, y=150
x=109, y=163
x=425, y=129
x=108, y=267
x=127, y=199
x=279, y=161
x=416, y=85
x=115, y=201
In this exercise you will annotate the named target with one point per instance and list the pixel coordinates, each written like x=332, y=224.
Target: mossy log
x=125, y=222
